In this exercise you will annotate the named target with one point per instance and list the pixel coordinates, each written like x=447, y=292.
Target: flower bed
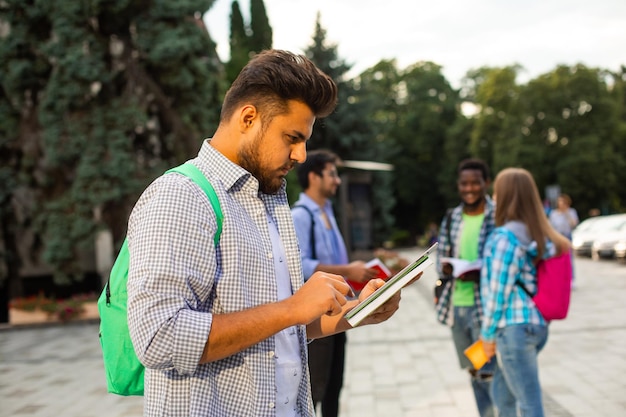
x=41, y=309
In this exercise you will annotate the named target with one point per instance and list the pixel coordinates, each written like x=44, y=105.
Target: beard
x=250, y=160
x=329, y=192
x=476, y=204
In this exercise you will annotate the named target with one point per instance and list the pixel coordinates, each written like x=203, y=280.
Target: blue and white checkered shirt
x=507, y=263
x=178, y=280
x=443, y=308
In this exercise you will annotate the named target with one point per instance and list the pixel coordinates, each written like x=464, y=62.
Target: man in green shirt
x=462, y=235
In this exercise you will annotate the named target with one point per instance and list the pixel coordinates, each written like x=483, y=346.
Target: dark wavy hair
x=315, y=162
x=272, y=78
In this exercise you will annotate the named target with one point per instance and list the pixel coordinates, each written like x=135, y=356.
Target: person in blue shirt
x=564, y=218
x=512, y=328
x=322, y=248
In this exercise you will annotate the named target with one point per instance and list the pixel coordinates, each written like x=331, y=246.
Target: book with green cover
x=393, y=285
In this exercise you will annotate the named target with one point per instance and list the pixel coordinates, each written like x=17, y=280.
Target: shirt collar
x=232, y=175
x=307, y=201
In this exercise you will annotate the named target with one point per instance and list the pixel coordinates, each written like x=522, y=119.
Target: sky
x=456, y=34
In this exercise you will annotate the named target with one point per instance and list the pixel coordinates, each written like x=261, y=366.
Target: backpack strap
x=312, y=234
x=190, y=170
x=448, y=234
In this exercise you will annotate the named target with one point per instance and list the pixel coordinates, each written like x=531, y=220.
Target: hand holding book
x=462, y=266
x=476, y=354
x=370, y=304
x=381, y=272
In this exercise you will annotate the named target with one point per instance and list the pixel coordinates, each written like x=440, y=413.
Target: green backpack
x=124, y=372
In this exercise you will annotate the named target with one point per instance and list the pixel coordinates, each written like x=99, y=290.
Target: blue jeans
x=465, y=331
x=515, y=384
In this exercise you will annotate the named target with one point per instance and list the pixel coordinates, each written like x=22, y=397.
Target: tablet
x=393, y=285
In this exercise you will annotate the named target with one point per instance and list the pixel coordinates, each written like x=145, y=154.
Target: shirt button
x=271, y=354
x=270, y=255
x=272, y=405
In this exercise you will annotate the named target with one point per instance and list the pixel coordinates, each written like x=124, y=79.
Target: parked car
x=599, y=229
x=604, y=246
x=582, y=236
x=620, y=250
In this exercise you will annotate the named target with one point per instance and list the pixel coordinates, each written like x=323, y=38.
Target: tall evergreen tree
x=261, y=36
x=342, y=131
x=347, y=132
x=246, y=40
x=239, y=43
x=96, y=99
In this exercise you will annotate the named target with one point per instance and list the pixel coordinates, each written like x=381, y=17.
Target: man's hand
x=323, y=293
x=383, y=312
x=390, y=306
x=357, y=272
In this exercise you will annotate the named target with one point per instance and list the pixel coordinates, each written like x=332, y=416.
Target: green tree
x=330, y=132
x=428, y=108
x=377, y=93
x=247, y=40
x=496, y=135
x=347, y=131
x=455, y=148
x=261, y=31
x=373, y=105
x=617, y=88
x=239, y=43
x=105, y=95
x=572, y=121
x=9, y=157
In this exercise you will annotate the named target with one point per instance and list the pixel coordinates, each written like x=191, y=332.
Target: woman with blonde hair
x=512, y=328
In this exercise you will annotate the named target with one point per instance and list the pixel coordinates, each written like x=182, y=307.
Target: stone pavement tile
x=582, y=360
x=607, y=409
x=572, y=367
x=403, y=368
x=57, y=371
x=411, y=361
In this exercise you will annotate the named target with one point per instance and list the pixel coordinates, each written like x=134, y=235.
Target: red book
x=383, y=272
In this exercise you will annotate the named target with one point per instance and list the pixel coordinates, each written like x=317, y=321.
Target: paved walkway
x=403, y=368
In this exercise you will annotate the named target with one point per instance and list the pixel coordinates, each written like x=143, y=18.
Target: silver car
x=601, y=230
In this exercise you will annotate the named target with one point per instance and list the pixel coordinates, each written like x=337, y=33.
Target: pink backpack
x=554, y=286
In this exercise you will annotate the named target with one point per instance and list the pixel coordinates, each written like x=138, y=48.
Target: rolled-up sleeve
x=171, y=274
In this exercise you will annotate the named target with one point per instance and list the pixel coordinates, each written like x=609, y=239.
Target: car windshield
x=587, y=224
x=611, y=224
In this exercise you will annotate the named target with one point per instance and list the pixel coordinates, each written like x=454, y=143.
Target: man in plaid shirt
x=222, y=330
x=462, y=235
